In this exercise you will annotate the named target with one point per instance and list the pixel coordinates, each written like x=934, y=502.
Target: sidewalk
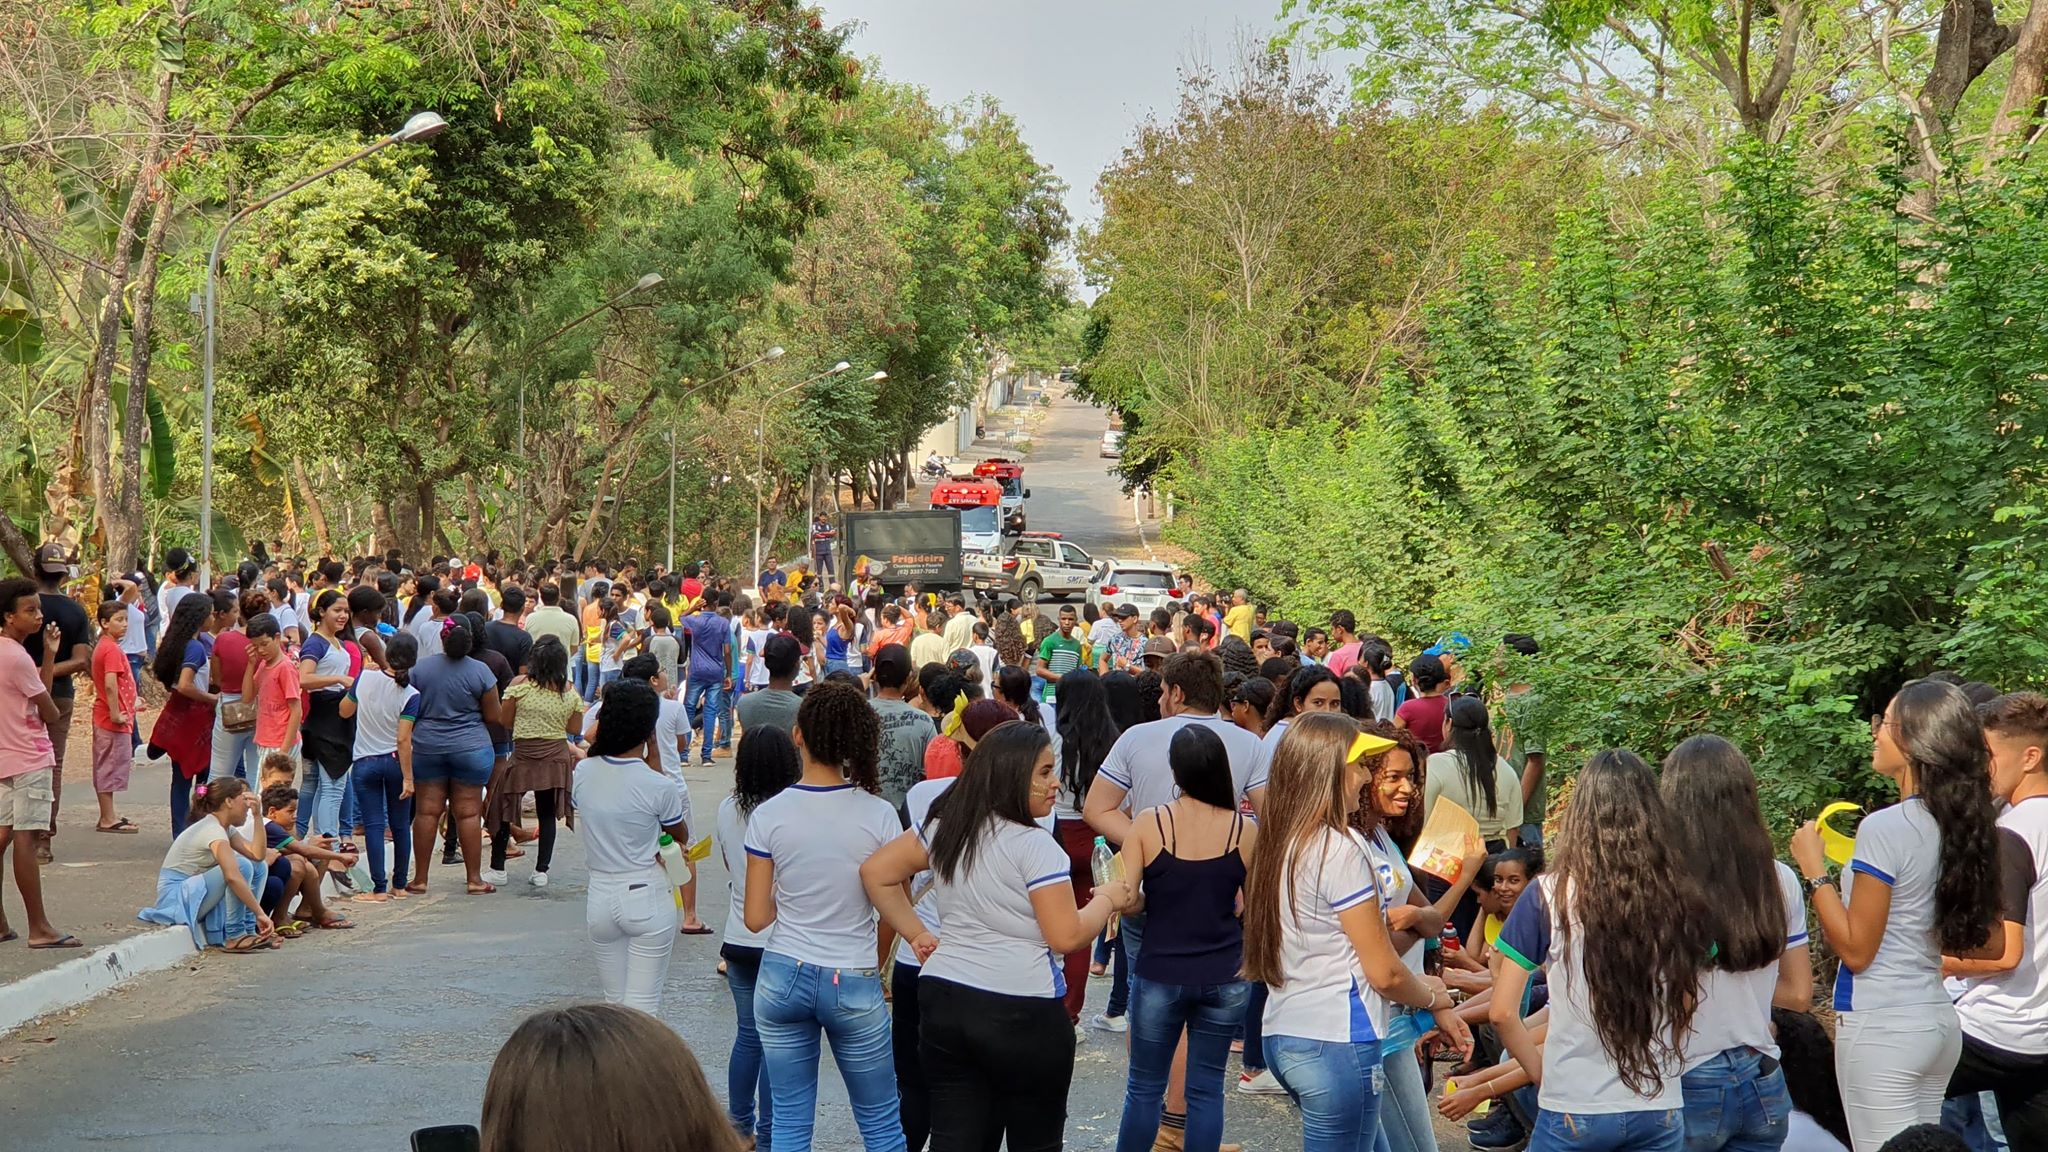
x=93, y=889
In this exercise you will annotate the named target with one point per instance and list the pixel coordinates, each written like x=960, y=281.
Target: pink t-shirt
x=24, y=738
x=277, y=685
x=1342, y=658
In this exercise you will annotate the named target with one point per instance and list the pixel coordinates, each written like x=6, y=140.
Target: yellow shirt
x=1238, y=621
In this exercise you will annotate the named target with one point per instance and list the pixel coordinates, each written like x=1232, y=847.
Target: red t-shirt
x=277, y=686
x=693, y=588
x=108, y=659
x=1424, y=716
x=231, y=653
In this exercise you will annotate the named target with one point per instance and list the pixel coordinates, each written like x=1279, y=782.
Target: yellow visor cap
x=1367, y=744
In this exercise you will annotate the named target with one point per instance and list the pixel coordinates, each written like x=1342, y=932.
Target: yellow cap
x=1367, y=744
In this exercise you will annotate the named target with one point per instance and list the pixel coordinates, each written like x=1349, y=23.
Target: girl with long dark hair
x=212, y=879
x=1472, y=772
x=184, y=729
x=327, y=737
x=1013, y=687
x=1923, y=881
x=543, y=713
x=1192, y=856
x=1621, y=999
x=1734, y=1092
x=766, y=763
x=1316, y=936
x=994, y=1039
x=818, y=972
x=1085, y=732
x=385, y=706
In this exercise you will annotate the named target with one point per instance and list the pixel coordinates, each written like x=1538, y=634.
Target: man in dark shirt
x=56, y=563
x=508, y=636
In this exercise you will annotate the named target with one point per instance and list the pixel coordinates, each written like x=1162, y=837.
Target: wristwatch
x=1811, y=886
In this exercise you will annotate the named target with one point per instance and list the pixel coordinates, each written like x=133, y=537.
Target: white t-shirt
x=2010, y=1010
x=918, y=803
x=1578, y=1076
x=1735, y=1007
x=623, y=806
x=1445, y=776
x=426, y=630
x=1325, y=995
x=167, y=597
x=751, y=642
x=818, y=837
x=990, y=938
x=669, y=725
x=987, y=656
x=136, y=642
x=1899, y=846
x=1138, y=762
x=192, y=852
x=380, y=705
x=287, y=619
x=1382, y=695
x=1803, y=1135
x=732, y=849
x=1398, y=1026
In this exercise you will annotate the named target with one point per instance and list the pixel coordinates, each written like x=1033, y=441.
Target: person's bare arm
x=758, y=905
x=1103, y=810
x=188, y=687
x=1794, y=989
x=111, y=688
x=886, y=875
x=2011, y=941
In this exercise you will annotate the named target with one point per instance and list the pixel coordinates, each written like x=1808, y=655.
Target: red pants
x=1079, y=841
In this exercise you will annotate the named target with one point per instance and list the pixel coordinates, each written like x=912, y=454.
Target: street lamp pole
x=422, y=126
x=671, y=565
x=761, y=450
x=650, y=280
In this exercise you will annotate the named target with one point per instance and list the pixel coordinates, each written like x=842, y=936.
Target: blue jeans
x=1254, y=1058
x=378, y=784
x=1652, y=1131
x=793, y=1003
x=234, y=753
x=1336, y=1085
x=1405, y=1124
x=1210, y=1013
x=584, y=673
x=746, y=1073
x=725, y=703
x=700, y=706
x=1733, y=1105
x=1966, y=1116
x=1110, y=954
x=326, y=800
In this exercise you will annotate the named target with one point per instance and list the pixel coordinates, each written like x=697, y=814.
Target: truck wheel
x=1030, y=590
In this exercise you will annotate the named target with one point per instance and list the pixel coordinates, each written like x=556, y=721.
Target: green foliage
x=1741, y=469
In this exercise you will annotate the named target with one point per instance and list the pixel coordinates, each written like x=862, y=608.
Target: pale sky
x=1078, y=75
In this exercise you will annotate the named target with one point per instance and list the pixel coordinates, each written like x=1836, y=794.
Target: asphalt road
x=1073, y=490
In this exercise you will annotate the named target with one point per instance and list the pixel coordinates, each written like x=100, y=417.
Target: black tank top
x=1192, y=933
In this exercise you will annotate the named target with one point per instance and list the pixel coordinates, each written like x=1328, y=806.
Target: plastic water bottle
x=671, y=856
x=1103, y=862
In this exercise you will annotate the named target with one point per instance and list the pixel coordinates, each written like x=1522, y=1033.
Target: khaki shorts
x=26, y=801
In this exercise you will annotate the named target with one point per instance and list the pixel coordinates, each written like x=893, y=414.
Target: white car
x=1141, y=583
x=1113, y=443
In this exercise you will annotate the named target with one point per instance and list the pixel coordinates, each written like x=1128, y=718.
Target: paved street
x=359, y=1037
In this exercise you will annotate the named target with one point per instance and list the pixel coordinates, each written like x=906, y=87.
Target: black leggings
x=913, y=1097
x=501, y=838
x=998, y=1066
x=2019, y=1082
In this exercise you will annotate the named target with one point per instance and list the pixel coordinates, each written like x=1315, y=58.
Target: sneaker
x=495, y=877
x=449, y=857
x=1263, y=1084
x=1080, y=1034
x=538, y=880
x=1510, y=1139
x=1110, y=1023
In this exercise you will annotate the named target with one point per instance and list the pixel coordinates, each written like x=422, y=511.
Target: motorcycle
x=937, y=467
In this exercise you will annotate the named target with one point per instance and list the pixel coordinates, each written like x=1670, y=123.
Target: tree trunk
x=2014, y=123
x=311, y=499
x=478, y=541
x=588, y=535
x=17, y=546
x=123, y=520
x=385, y=537
x=1969, y=39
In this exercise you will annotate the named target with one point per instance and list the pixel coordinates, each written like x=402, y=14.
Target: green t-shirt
x=1062, y=654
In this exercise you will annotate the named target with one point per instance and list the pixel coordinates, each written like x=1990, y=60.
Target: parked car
x=1030, y=566
x=1143, y=583
x=1113, y=443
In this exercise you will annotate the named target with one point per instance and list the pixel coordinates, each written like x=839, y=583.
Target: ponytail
x=456, y=641
x=401, y=652
x=214, y=795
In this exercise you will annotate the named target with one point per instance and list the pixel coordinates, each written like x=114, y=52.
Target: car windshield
x=1157, y=581
x=978, y=520
x=1013, y=487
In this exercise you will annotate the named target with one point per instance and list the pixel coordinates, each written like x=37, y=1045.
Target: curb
x=94, y=974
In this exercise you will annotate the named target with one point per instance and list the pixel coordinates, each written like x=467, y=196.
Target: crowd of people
x=948, y=817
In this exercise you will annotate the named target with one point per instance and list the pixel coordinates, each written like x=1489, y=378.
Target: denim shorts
x=471, y=767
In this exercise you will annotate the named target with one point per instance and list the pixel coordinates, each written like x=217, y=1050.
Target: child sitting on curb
x=299, y=866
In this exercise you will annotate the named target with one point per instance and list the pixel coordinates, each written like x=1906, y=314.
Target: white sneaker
x=1080, y=1034
x=492, y=876
x=1110, y=1023
x=538, y=880
x=1264, y=1084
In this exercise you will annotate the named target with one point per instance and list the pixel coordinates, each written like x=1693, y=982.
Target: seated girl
x=208, y=862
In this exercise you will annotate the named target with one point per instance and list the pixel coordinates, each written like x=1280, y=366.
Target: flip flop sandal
x=243, y=945
x=290, y=931
x=336, y=923
x=297, y=927
x=60, y=942
x=699, y=930
x=122, y=827
x=9, y=937
x=481, y=889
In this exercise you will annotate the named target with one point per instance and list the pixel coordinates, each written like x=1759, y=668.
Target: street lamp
x=650, y=280
x=761, y=449
x=774, y=353
x=422, y=126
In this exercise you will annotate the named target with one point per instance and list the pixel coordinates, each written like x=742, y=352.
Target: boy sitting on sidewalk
x=299, y=866
x=113, y=716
